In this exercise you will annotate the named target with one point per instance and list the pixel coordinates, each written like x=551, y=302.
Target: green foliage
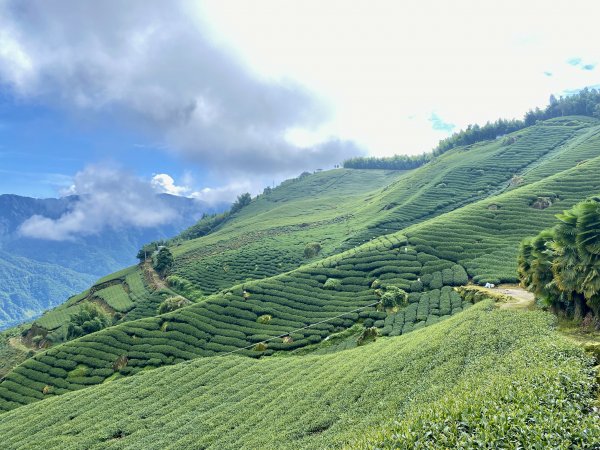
x=206, y=225
x=483, y=379
x=584, y=103
x=312, y=249
x=332, y=283
x=242, y=201
x=394, y=296
x=163, y=260
x=561, y=265
x=116, y=297
x=536, y=392
x=250, y=252
x=368, y=335
x=481, y=241
x=184, y=287
x=264, y=319
x=173, y=304
x=396, y=162
x=89, y=319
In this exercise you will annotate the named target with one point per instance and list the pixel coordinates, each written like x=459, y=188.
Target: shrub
x=184, y=287
x=447, y=277
x=332, y=283
x=394, y=296
x=242, y=201
x=260, y=347
x=416, y=286
x=163, y=260
x=173, y=303
x=264, y=319
x=368, y=335
x=436, y=281
x=88, y=319
x=459, y=275
x=312, y=249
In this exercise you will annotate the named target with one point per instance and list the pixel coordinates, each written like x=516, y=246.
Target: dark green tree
x=88, y=319
x=242, y=201
x=163, y=261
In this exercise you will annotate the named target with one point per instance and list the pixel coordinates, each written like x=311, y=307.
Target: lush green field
x=479, y=241
x=342, y=208
x=442, y=374
x=503, y=378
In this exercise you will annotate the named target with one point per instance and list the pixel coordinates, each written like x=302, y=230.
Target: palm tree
x=588, y=245
x=562, y=265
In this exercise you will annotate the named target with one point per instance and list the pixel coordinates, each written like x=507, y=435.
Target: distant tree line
x=584, y=103
x=396, y=162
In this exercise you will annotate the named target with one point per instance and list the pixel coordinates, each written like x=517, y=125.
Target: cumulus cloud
x=153, y=62
x=225, y=193
x=107, y=198
x=164, y=183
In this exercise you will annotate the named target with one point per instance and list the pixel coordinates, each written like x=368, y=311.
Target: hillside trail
x=17, y=343
x=153, y=279
x=521, y=299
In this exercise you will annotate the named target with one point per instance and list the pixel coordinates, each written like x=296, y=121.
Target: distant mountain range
x=37, y=274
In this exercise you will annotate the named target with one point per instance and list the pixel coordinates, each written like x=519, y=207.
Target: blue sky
x=42, y=148
x=214, y=98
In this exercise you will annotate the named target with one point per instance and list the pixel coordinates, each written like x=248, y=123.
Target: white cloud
x=231, y=86
x=108, y=198
x=226, y=193
x=153, y=63
x=386, y=66
x=165, y=183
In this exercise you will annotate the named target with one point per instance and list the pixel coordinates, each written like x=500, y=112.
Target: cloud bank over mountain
x=107, y=198
x=154, y=64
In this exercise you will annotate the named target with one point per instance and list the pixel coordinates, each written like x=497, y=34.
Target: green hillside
x=401, y=392
x=343, y=208
x=478, y=242
x=281, y=293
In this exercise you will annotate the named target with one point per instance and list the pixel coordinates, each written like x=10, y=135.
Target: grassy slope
x=343, y=208
x=268, y=237
x=536, y=386
x=478, y=238
x=297, y=212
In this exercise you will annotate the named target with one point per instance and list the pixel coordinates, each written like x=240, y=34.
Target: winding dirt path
x=522, y=299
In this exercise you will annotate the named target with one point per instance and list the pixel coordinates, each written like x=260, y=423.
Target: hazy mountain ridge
x=37, y=274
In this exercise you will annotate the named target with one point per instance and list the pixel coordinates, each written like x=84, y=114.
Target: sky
x=214, y=98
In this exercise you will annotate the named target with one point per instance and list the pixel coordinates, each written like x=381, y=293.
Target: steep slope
x=269, y=236
x=483, y=371
x=311, y=195
x=481, y=237
x=36, y=274
x=467, y=174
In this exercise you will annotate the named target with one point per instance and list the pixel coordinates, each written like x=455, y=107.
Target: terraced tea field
x=476, y=241
x=487, y=366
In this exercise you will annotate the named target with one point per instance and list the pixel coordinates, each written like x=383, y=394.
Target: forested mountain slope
x=37, y=274
x=479, y=241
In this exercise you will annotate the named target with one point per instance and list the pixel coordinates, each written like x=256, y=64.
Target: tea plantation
x=478, y=241
x=485, y=375
x=281, y=290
